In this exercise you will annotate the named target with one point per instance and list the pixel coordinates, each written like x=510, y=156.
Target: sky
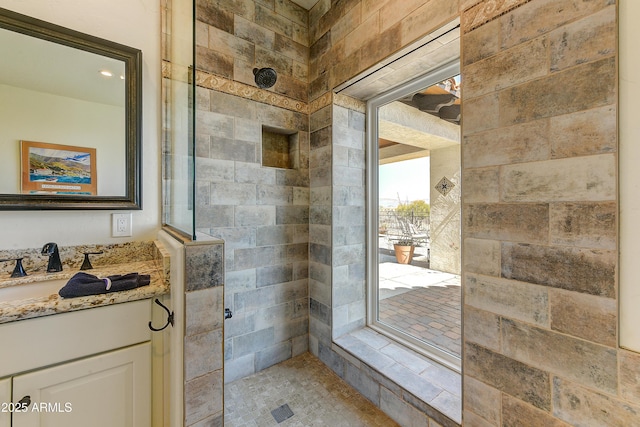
x=408, y=179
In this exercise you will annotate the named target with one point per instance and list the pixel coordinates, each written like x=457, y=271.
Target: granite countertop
x=27, y=308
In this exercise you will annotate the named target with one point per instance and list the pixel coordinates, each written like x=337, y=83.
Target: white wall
x=61, y=120
x=629, y=157
x=132, y=23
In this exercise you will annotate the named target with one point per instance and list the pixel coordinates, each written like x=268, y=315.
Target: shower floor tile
x=316, y=396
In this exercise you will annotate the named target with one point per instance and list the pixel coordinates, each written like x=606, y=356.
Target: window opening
x=414, y=177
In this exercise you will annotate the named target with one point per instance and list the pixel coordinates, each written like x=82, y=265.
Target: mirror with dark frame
x=70, y=118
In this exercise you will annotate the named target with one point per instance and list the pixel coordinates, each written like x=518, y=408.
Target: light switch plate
x=121, y=224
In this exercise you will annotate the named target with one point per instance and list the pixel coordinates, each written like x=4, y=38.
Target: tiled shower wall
x=540, y=214
x=262, y=213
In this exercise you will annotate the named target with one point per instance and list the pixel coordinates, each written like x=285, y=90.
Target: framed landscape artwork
x=58, y=169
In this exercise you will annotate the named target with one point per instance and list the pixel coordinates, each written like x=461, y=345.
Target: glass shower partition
x=178, y=86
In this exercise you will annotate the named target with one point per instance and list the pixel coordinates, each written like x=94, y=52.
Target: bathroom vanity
x=81, y=361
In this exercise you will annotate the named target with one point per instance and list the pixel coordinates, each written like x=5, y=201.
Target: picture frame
x=57, y=169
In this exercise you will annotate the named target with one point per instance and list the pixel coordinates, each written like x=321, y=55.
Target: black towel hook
x=169, y=317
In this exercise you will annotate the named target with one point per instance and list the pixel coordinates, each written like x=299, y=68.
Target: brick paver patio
x=421, y=302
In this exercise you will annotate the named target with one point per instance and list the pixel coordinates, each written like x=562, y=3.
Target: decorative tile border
x=487, y=11
x=350, y=103
x=211, y=81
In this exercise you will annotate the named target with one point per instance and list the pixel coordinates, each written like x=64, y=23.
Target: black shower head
x=265, y=77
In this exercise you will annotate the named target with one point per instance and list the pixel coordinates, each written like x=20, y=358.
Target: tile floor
x=315, y=395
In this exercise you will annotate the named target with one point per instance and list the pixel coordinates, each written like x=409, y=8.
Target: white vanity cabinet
x=85, y=368
x=111, y=389
x=5, y=400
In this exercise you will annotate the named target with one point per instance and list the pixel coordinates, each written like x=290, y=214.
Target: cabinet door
x=111, y=389
x=5, y=399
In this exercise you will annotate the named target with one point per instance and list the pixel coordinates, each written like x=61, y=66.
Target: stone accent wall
x=262, y=213
x=234, y=37
x=203, y=334
x=539, y=217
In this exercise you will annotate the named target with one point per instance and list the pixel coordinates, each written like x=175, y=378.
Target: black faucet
x=51, y=249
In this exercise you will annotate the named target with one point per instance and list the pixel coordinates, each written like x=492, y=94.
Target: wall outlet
x=121, y=224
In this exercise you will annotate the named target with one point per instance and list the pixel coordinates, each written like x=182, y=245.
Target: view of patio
x=422, y=302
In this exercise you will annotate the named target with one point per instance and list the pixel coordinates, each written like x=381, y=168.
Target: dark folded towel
x=83, y=284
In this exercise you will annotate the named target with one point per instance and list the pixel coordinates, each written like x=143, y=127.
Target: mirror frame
x=132, y=58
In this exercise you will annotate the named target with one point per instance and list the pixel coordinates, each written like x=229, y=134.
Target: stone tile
x=429, y=17
x=573, y=269
x=482, y=256
x=368, y=387
x=522, y=63
x=589, y=178
x=314, y=393
x=480, y=114
x=272, y=355
x=481, y=327
x=232, y=46
x=255, y=215
x=296, y=51
x=252, y=342
x=535, y=18
x=510, y=376
x=253, y=33
x=292, y=214
x=481, y=185
x=589, y=364
x=216, y=420
x=409, y=381
x=214, y=62
x=365, y=353
x=371, y=337
x=320, y=311
x=229, y=193
x=580, y=406
x=585, y=316
x=588, y=39
x=591, y=85
x=520, y=222
x=208, y=13
x=482, y=400
x=247, y=130
x=516, y=300
x=629, y=375
x=401, y=412
x=584, y=133
x=204, y=311
x=244, y=8
x=202, y=353
x=527, y=142
x=273, y=195
x=239, y=367
x=204, y=266
x=481, y=43
x=203, y=397
x=473, y=420
x=213, y=170
x=444, y=378
x=406, y=358
x=591, y=225
x=271, y=275
x=214, y=216
x=273, y=21
x=253, y=173
x=514, y=412
x=230, y=149
x=210, y=123
x=234, y=106
x=450, y=404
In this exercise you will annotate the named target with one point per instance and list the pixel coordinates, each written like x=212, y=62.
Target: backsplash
x=72, y=256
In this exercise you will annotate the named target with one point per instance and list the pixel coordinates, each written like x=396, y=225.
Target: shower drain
x=282, y=413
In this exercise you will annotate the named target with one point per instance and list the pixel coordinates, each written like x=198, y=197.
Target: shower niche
x=280, y=148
